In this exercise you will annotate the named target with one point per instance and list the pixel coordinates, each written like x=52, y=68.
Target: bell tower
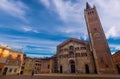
x=100, y=48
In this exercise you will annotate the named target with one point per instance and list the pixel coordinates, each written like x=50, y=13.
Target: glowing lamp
x=0, y=50
x=5, y=53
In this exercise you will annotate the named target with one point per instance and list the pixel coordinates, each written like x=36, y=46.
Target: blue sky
x=38, y=26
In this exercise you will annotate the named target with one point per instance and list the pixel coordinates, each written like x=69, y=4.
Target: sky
x=36, y=27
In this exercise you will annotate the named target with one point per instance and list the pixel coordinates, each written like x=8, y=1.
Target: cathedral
x=80, y=56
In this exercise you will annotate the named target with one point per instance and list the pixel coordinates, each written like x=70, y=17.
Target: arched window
x=71, y=48
x=72, y=62
x=71, y=54
x=91, y=13
x=10, y=70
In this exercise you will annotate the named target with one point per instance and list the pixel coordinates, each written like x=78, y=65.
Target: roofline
x=10, y=49
x=73, y=39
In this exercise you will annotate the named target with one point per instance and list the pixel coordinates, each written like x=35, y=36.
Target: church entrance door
x=72, y=65
x=60, y=69
x=87, y=69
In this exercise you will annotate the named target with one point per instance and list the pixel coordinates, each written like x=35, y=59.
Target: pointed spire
x=88, y=5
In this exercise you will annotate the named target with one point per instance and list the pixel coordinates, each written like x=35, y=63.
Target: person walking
x=32, y=72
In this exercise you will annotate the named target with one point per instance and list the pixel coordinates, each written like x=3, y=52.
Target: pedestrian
x=33, y=73
x=18, y=74
x=3, y=73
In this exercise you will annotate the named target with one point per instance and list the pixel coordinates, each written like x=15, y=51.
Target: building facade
x=23, y=65
x=28, y=66
x=37, y=65
x=47, y=65
x=116, y=60
x=10, y=61
x=74, y=56
x=101, y=52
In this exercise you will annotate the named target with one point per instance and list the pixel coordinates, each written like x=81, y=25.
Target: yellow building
x=38, y=65
x=10, y=61
x=28, y=66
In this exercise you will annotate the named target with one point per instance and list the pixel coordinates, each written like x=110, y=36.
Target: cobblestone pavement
x=61, y=76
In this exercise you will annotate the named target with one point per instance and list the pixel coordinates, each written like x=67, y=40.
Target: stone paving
x=61, y=76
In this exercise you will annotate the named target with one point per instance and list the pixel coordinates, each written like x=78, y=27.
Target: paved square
x=61, y=76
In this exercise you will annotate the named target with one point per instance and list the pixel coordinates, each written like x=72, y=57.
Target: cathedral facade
x=74, y=56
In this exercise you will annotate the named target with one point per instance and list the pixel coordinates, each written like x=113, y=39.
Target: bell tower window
x=91, y=13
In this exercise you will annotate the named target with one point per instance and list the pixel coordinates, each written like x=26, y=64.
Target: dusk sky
x=38, y=26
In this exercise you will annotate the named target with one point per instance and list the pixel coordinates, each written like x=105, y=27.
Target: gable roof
x=73, y=39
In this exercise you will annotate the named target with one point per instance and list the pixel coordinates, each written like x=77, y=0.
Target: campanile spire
x=88, y=6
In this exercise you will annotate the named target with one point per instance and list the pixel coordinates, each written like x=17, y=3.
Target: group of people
x=4, y=73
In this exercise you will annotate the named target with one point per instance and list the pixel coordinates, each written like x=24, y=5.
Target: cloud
x=109, y=15
x=37, y=56
x=77, y=32
x=107, y=8
x=68, y=11
x=72, y=14
x=114, y=48
x=113, y=32
x=15, y=8
x=9, y=39
x=30, y=45
x=29, y=29
x=46, y=2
